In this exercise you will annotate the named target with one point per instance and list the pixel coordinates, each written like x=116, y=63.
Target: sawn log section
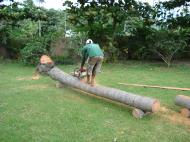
x=140, y=102
x=183, y=101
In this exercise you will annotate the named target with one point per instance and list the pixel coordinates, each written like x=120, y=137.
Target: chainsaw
x=79, y=74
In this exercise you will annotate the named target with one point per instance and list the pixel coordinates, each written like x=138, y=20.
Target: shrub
x=32, y=52
x=166, y=44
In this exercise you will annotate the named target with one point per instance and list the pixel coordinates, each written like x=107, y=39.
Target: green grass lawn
x=35, y=110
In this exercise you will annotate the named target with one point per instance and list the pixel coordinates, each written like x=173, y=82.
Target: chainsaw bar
x=80, y=75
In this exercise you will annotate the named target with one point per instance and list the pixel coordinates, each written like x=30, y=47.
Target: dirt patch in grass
x=174, y=117
x=37, y=86
x=78, y=98
x=27, y=78
x=21, y=78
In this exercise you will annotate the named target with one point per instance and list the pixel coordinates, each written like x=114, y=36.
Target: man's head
x=89, y=41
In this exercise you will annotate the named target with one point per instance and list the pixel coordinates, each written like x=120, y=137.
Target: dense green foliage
x=166, y=43
x=30, y=36
x=106, y=22
x=124, y=29
x=32, y=52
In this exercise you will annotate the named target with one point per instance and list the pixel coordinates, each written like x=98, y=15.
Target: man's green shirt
x=91, y=50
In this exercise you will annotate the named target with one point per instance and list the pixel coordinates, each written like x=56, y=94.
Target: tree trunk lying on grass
x=145, y=104
x=183, y=101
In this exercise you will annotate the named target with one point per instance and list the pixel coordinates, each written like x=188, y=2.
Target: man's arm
x=84, y=56
x=83, y=62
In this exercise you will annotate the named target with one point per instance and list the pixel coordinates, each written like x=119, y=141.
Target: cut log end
x=185, y=112
x=137, y=113
x=156, y=106
x=45, y=60
x=45, y=64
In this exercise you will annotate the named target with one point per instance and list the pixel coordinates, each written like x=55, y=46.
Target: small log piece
x=137, y=113
x=183, y=101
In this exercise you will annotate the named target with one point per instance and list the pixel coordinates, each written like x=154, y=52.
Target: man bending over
x=94, y=54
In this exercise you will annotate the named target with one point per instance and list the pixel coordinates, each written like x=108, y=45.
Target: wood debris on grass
x=174, y=117
x=27, y=78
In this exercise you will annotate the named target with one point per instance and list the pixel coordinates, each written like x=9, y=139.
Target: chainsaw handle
x=76, y=70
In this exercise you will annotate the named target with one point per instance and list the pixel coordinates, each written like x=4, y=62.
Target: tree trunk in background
x=39, y=28
x=140, y=102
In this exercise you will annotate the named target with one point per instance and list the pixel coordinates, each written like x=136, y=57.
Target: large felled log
x=183, y=101
x=143, y=103
x=140, y=102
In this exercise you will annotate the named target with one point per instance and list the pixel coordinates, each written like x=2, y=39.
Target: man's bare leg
x=88, y=79
x=93, y=80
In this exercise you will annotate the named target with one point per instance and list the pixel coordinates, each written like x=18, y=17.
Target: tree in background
x=125, y=29
x=20, y=29
x=105, y=20
x=14, y=18
x=166, y=44
x=171, y=35
x=174, y=13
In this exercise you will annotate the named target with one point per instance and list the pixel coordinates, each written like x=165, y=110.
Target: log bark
x=143, y=103
x=185, y=112
x=183, y=101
